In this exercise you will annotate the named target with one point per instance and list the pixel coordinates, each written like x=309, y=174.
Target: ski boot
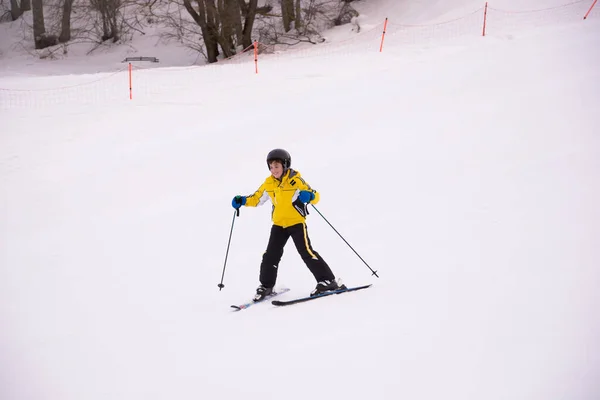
x=326, y=286
x=262, y=292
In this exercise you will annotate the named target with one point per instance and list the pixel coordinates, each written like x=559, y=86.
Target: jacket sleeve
x=257, y=198
x=306, y=186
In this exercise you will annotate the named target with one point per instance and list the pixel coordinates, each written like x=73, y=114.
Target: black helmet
x=281, y=155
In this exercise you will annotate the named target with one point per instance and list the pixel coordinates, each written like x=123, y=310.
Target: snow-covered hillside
x=465, y=169
x=415, y=22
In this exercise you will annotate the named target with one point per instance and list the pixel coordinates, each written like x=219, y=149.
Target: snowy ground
x=466, y=172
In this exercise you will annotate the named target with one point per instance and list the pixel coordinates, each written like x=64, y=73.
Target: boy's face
x=276, y=169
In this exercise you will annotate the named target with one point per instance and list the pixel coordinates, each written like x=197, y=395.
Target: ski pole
x=235, y=213
x=373, y=272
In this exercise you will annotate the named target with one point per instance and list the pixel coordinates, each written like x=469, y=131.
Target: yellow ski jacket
x=287, y=209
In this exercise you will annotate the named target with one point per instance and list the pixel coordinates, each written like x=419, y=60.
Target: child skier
x=289, y=194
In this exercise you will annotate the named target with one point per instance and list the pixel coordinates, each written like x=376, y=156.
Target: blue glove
x=306, y=196
x=238, y=201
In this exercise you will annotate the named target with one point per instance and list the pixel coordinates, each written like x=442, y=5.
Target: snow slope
x=465, y=171
x=412, y=21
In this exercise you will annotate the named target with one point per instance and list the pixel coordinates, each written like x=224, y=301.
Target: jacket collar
x=285, y=175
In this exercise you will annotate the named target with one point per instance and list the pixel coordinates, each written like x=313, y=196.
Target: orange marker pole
x=383, y=35
x=256, y=56
x=130, y=91
x=485, y=17
x=590, y=10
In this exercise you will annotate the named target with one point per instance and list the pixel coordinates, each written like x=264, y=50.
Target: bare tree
x=298, y=21
x=221, y=24
x=234, y=16
x=323, y=14
x=345, y=13
x=309, y=17
x=25, y=5
x=40, y=38
x=65, y=32
x=39, y=27
x=15, y=10
x=287, y=14
x=178, y=27
x=250, y=12
x=229, y=15
x=203, y=19
x=108, y=11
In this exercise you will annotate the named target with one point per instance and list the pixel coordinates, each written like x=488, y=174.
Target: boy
x=290, y=195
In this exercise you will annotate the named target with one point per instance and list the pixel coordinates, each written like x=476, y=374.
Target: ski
x=252, y=302
x=308, y=298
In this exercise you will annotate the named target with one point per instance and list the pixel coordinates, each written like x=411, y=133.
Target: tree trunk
x=249, y=23
x=287, y=13
x=15, y=10
x=199, y=17
x=243, y=7
x=114, y=26
x=25, y=5
x=298, y=19
x=212, y=26
x=236, y=21
x=65, y=33
x=109, y=14
x=39, y=29
x=225, y=17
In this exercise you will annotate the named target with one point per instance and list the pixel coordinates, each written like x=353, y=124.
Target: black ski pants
x=279, y=237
